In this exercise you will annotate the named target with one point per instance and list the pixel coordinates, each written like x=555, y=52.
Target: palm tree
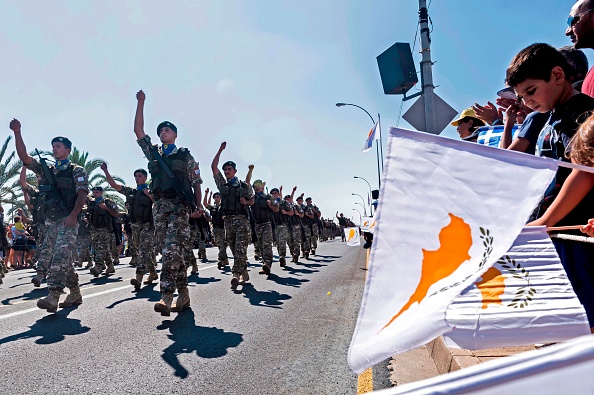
x=81, y=158
x=10, y=190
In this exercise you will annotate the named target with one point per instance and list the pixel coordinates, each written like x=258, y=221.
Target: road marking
x=365, y=382
x=365, y=379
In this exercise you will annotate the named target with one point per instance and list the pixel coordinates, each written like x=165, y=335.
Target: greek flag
x=491, y=135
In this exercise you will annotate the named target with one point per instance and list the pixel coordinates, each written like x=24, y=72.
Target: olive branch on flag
x=524, y=294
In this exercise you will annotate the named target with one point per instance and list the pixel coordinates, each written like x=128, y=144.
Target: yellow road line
x=365, y=379
x=365, y=382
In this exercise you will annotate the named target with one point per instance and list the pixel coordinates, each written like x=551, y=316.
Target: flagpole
x=380, y=142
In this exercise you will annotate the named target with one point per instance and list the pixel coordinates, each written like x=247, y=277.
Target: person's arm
x=337, y=217
x=112, y=210
x=23, y=179
x=510, y=121
x=197, y=201
x=519, y=144
x=24, y=218
x=273, y=207
x=28, y=200
x=206, y=202
x=215, y=161
x=21, y=149
x=139, y=116
x=248, y=177
x=574, y=189
x=109, y=178
x=293, y=194
x=81, y=199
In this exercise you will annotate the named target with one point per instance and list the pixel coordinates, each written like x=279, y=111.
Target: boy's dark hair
x=577, y=60
x=536, y=62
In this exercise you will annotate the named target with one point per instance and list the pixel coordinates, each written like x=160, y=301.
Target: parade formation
x=167, y=217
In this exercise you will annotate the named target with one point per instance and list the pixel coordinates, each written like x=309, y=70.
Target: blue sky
x=262, y=75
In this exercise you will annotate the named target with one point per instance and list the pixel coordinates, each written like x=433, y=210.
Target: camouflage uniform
x=83, y=242
x=171, y=214
x=218, y=230
x=189, y=257
x=237, y=224
x=282, y=229
x=306, y=223
x=60, y=241
x=295, y=239
x=315, y=230
x=263, y=215
x=101, y=232
x=141, y=223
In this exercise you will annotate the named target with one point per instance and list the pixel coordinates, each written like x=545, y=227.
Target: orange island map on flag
x=455, y=241
x=439, y=227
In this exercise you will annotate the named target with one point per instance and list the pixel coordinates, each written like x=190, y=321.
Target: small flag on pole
x=353, y=237
x=374, y=134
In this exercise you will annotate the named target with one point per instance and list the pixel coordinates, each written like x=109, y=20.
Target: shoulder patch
x=80, y=179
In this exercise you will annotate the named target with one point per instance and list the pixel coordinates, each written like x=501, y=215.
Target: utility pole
x=426, y=73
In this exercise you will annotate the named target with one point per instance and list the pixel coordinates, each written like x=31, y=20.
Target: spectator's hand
x=589, y=228
x=505, y=103
x=512, y=112
x=140, y=96
x=104, y=166
x=488, y=113
x=15, y=125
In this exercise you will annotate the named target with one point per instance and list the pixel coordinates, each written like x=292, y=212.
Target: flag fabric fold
x=524, y=298
x=374, y=134
x=439, y=227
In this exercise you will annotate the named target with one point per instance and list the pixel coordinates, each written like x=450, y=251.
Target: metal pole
x=370, y=195
x=426, y=73
x=380, y=142
x=364, y=211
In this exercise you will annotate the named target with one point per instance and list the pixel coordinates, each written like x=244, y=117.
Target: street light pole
x=364, y=211
x=370, y=194
x=379, y=177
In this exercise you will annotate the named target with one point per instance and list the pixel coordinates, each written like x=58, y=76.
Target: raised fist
x=140, y=96
x=15, y=125
x=251, y=167
x=223, y=146
x=104, y=166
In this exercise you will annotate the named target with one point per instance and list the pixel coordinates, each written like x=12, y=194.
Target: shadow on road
x=147, y=292
x=102, y=280
x=271, y=299
x=194, y=279
x=288, y=281
x=33, y=294
x=188, y=338
x=298, y=271
x=51, y=329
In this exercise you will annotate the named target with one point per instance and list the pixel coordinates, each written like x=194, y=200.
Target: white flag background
x=353, y=237
x=439, y=227
x=524, y=298
x=368, y=224
x=564, y=368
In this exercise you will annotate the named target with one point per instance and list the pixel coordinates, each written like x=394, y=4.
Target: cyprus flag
x=449, y=210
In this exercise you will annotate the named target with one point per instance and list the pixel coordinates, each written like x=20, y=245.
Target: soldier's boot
x=151, y=277
x=96, y=270
x=164, y=305
x=306, y=255
x=265, y=269
x=256, y=257
x=38, y=278
x=78, y=264
x=245, y=276
x=110, y=269
x=313, y=251
x=204, y=258
x=183, y=300
x=194, y=268
x=220, y=265
x=282, y=262
x=137, y=282
x=296, y=258
x=89, y=265
x=235, y=281
x=116, y=261
x=1, y=281
x=74, y=297
x=50, y=302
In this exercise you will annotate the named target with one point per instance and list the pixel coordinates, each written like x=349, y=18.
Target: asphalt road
x=285, y=334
